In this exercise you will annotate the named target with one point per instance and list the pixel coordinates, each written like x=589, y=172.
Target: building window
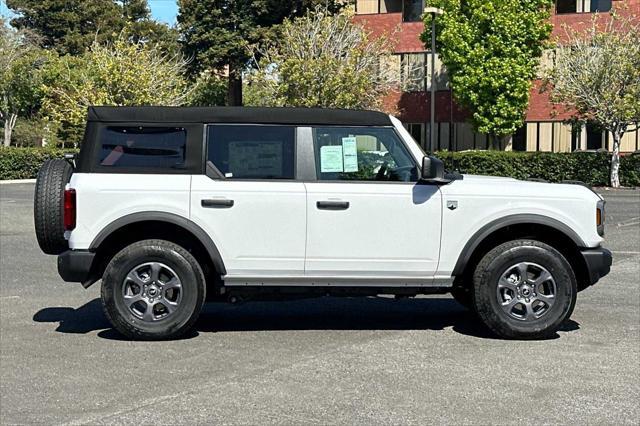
x=364, y=7
x=594, y=137
x=367, y=6
x=412, y=74
x=582, y=6
x=519, y=139
x=600, y=5
x=566, y=6
x=390, y=6
x=415, y=129
x=412, y=10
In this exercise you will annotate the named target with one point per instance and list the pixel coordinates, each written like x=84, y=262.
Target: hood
x=498, y=185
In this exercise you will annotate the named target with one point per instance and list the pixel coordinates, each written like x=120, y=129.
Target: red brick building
x=544, y=129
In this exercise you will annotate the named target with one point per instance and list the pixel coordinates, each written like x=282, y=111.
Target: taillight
x=600, y=217
x=69, y=209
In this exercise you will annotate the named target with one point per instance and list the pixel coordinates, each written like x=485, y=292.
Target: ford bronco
x=172, y=206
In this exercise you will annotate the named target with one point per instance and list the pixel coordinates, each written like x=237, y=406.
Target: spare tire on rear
x=48, y=205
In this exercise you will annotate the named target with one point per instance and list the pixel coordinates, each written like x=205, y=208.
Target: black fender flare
x=172, y=218
x=516, y=219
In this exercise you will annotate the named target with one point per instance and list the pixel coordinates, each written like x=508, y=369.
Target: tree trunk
x=495, y=143
x=615, y=158
x=234, y=92
x=9, y=124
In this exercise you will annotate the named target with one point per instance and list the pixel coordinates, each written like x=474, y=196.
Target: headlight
x=600, y=217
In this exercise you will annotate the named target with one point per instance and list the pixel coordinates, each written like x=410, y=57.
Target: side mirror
x=432, y=170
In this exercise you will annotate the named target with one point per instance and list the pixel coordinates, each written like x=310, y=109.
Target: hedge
x=24, y=163
x=591, y=168
x=588, y=167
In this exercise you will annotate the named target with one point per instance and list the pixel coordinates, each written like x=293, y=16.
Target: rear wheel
x=153, y=290
x=48, y=205
x=524, y=289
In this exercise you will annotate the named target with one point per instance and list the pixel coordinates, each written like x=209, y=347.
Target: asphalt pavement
x=318, y=361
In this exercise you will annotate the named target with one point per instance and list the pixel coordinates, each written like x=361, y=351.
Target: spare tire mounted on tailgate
x=48, y=206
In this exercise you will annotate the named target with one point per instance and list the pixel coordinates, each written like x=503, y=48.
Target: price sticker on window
x=350, y=154
x=331, y=159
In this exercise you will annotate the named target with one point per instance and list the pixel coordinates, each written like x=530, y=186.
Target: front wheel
x=153, y=290
x=524, y=289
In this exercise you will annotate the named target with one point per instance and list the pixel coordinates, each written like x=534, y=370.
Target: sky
x=164, y=10
x=161, y=10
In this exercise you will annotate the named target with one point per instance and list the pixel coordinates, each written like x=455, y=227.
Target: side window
x=155, y=147
x=362, y=153
x=252, y=151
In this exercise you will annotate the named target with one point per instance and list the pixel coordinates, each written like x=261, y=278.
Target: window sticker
x=331, y=159
x=255, y=158
x=350, y=154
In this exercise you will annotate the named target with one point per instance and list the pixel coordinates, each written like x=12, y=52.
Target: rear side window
x=143, y=147
x=252, y=151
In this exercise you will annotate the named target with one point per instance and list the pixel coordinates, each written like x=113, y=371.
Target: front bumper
x=598, y=261
x=77, y=266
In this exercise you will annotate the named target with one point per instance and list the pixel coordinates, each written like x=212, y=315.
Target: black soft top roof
x=296, y=116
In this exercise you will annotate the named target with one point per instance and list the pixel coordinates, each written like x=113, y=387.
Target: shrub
x=24, y=163
x=590, y=168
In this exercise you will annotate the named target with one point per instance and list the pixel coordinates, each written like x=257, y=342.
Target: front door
x=256, y=212
x=367, y=214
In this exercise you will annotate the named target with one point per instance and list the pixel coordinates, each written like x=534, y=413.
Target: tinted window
x=412, y=10
x=252, y=151
x=567, y=6
x=156, y=147
x=600, y=5
x=362, y=153
x=519, y=139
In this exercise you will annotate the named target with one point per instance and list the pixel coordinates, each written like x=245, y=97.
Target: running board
x=232, y=281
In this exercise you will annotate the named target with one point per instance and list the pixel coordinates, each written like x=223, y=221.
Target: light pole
x=433, y=11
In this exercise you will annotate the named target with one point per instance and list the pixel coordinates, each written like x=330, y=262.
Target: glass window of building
x=412, y=10
x=413, y=69
x=390, y=6
x=582, y=6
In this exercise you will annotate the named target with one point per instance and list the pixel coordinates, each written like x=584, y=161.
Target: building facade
x=545, y=128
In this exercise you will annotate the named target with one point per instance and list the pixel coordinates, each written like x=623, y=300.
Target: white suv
x=173, y=206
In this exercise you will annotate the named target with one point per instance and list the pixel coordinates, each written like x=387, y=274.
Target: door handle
x=217, y=203
x=332, y=205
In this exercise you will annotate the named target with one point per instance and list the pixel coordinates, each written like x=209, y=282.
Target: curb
x=6, y=182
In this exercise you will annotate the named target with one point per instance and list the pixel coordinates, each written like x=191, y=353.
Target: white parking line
x=6, y=182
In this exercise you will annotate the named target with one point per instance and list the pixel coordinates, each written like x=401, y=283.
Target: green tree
x=119, y=73
x=321, y=60
x=21, y=63
x=219, y=34
x=71, y=26
x=209, y=89
x=491, y=49
x=597, y=76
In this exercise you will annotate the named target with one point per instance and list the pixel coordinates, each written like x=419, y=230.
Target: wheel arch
x=542, y=228
x=162, y=225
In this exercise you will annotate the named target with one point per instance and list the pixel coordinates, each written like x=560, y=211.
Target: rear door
x=368, y=216
x=256, y=211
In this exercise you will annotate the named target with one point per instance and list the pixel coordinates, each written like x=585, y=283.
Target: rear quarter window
x=142, y=147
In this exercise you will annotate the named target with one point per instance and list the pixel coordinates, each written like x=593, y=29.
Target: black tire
x=486, y=296
x=177, y=260
x=48, y=205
